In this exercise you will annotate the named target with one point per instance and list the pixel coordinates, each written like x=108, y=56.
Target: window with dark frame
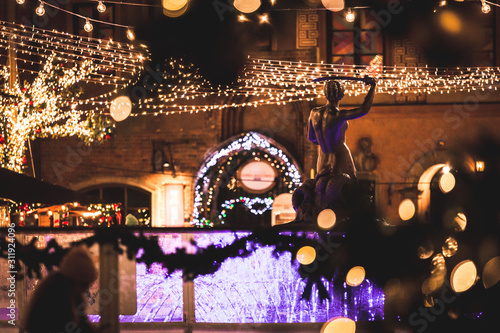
x=133, y=201
x=357, y=42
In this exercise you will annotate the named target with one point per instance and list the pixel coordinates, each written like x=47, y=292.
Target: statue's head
x=334, y=91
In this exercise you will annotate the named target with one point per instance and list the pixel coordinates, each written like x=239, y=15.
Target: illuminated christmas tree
x=46, y=108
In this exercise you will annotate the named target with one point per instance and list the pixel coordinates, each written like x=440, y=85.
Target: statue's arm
x=364, y=108
x=310, y=132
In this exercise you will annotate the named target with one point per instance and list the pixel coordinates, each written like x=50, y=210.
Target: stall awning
x=22, y=188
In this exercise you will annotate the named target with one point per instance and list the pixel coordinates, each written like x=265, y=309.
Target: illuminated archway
x=424, y=187
x=427, y=172
x=220, y=170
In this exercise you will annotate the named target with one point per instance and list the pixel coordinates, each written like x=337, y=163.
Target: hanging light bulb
x=242, y=18
x=130, y=34
x=485, y=8
x=88, y=26
x=101, y=8
x=21, y=2
x=264, y=18
x=40, y=11
x=349, y=16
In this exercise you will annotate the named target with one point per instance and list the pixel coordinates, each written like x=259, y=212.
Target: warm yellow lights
x=425, y=250
x=446, y=182
x=88, y=27
x=406, y=209
x=339, y=325
x=40, y=10
x=130, y=34
x=333, y=5
x=101, y=7
x=485, y=8
x=39, y=110
x=491, y=272
x=450, y=247
x=460, y=222
x=349, y=16
x=326, y=219
x=242, y=18
x=463, y=276
x=21, y=2
x=479, y=166
x=264, y=18
x=120, y=64
x=120, y=108
x=174, y=5
x=277, y=82
x=355, y=276
x=450, y=22
x=306, y=255
x=246, y=6
x=437, y=277
x=175, y=8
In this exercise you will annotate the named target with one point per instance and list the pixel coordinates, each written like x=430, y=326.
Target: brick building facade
x=409, y=132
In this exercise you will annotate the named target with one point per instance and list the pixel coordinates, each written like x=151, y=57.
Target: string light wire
x=85, y=17
x=491, y=3
x=117, y=65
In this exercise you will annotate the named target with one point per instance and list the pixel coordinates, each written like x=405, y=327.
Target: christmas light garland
x=250, y=203
x=116, y=65
x=44, y=109
x=206, y=260
x=277, y=82
x=219, y=165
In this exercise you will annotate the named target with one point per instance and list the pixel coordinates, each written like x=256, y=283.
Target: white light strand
x=256, y=206
x=117, y=65
x=277, y=82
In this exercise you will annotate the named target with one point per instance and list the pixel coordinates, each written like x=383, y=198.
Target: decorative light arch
x=216, y=169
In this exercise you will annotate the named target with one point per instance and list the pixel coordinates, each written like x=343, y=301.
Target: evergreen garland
x=204, y=261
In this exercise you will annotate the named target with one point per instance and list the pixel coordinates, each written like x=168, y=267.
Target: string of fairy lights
x=265, y=82
x=117, y=65
x=65, y=81
x=277, y=82
x=176, y=8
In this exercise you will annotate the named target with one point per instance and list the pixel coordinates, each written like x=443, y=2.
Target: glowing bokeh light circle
x=463, y=276
x=246, y=6
x=120, y=108
x=339, y=325
x=326, y=219
x=306, y=255
x=406, y=209
x=355, y=276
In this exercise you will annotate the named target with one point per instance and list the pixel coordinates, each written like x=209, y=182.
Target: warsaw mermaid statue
x=335, y=167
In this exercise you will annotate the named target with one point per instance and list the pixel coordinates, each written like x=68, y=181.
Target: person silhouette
x=58, y=303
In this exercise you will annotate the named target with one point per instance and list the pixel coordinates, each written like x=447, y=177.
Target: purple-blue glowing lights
x=257, y=289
